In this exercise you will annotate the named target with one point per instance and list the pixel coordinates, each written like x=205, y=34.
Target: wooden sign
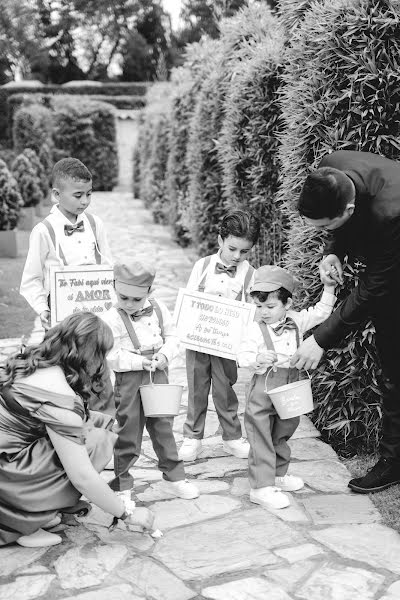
x=211, y=324
x=87, y=288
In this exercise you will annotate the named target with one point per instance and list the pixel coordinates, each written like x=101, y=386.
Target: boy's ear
x=55, y=192
x=220, y=241
x=289, y=303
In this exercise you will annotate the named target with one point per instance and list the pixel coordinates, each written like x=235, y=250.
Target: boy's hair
x=281, y=294
x=325, y=194
x=240, y=224
x=70, y=168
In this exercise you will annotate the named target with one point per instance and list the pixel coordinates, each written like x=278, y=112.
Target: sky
x=174, y=8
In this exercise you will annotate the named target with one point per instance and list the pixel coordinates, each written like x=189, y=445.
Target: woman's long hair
x=78, y=345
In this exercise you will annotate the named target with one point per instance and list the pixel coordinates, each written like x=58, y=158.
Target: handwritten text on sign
x=211, y=324
x=76, y=289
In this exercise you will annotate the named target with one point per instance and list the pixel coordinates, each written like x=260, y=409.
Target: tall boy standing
x=228, y=274
x=144, y=340
x=67, y=236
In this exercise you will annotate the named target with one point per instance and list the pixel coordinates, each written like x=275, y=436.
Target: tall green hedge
x=28, y=181
x=11, y=201
x=248, y=149
x=342, y=91
x=32, y=127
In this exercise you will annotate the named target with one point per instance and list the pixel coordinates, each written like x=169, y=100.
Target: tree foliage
x=11, y=201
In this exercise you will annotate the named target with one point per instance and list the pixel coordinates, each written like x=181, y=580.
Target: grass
x=387, y=502
x=16, y=316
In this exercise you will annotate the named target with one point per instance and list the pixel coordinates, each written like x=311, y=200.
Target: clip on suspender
x=52, y=234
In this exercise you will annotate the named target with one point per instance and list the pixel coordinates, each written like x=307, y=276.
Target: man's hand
x=45, y=319
x=308, y=355
x=331, y=270
x=160, y=361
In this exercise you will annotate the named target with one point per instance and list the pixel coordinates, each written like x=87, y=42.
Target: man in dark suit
x=356, y=196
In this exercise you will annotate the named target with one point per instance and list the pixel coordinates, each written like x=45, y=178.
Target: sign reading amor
x=211, y=324
x=76, y=289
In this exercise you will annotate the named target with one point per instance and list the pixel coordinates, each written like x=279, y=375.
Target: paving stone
x=230, y=544
x=16, y=557
x=145, y=474
x=131, y=537
x=341, y=583
x=156, y=491
x=310, y=449
x=212, y=448
x=85, y=566
x=293, y=513
x=298, y=553
x=175, y=513
x=240, y=486
x=322, y=475
x=288, y=577
x=251, y=588
x=80, y=535
x=34, y=570
x=341, y=508
x=26, y=587
x=305, y=429
x=217, y=467
x=152, y=580
x=115, y=592
x=393, y=592
x=373, y=544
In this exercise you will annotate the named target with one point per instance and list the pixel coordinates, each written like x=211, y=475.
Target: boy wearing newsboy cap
x=144, y=340
x=268, y=346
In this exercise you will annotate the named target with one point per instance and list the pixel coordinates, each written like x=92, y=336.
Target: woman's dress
x=33, y=482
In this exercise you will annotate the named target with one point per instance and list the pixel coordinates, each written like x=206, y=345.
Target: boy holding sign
x=228, y=274
x=269, y=343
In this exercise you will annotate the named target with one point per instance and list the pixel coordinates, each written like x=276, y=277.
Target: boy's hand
x=45, y=319
x=331, y=271
x=160, y=361
x=266, y=359
x=147, y=364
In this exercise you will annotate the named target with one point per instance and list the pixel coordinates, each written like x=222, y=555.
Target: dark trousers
x=267, y=433
x=387, y=324
x=131, y=422
x=201, y=370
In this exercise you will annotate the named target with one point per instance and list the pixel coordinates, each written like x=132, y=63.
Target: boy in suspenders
x=68, y=236
x=226, y=273
x=269, y=343
x=144, y=340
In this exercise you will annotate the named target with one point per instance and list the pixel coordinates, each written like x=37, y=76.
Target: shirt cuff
x=328, y=298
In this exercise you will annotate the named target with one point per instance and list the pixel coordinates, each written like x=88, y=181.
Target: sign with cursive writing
x=86, y=288
x=211, y=324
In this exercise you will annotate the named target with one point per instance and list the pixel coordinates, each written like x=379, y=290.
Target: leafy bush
x=28, y=182
x=86, y=130
x=32, y=127
x=46, y=160
x=342, y=92
x=38, y=168
x=248, y=147
x=11, y=200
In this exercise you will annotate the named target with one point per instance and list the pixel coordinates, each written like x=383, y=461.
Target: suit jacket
x=372, y=234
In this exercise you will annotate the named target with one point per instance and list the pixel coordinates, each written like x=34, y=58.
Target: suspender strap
x=52, y=235
x=92, y=223
x=158, y=312
x=129, y=328
x=241, y=297
x=267, y=337
x=202, y=283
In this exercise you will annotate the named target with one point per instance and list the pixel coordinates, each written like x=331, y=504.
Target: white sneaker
x=269, y=497
x=239, y=448
x=39, y=539
x=189, y=450
x=182, y=489
x=289, y=483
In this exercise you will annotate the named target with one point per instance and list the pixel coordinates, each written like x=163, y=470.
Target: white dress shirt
x=78, y=249
x=123, y=356
x=285, y=344
x=219, y=284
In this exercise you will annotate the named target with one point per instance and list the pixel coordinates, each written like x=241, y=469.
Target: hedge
x=39, y=169
x=248, y=146
x=86, y=130
x=32, y=127
x=28, y=181
x=11, y=201
x=342, y=87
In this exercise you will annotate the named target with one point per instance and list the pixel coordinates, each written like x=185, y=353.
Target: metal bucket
x=292, y=399
x=161, y=399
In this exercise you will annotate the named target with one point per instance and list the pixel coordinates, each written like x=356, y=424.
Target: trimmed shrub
x=86, y=130
x=38, y=168
x=11, y=201
x=27, y=180
x=206, y=205
x=46, y=160
x=248, y=148
x=32, y=127
x=342, y=92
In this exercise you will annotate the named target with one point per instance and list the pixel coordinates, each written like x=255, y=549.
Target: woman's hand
x=141, y=516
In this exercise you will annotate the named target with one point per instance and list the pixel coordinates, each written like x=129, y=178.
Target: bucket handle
x=151, y=378
x=269, y=371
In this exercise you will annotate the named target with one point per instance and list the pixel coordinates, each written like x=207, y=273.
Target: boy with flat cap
x=144, y=340
x=268, y=346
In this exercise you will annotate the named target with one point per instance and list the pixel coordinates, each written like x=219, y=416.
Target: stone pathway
x=329, y=544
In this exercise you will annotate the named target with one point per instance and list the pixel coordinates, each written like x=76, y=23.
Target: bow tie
x=70, y=229
x=287, y=324
x=230, y=271
x=142, y=313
